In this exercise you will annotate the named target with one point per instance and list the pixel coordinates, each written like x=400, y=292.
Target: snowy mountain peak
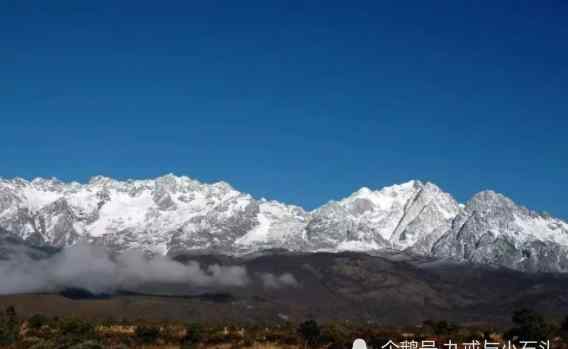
x=490, y=198
x=364, y=191
x=408, y=215
x=100, y=180
x=384, y=197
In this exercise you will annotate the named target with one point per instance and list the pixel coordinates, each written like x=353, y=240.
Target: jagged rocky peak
x=504, y=216
x=492, y=229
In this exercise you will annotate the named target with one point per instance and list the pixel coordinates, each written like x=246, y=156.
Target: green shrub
x=87, y=345
x=77, y=328
x=8, y=333
x=37, y=321
x=44, y=344
x=193, y=333
x=216, y=338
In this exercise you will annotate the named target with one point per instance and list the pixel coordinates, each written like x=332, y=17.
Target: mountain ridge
x=171, y=215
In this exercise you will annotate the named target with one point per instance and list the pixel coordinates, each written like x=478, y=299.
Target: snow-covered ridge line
x=171, y=214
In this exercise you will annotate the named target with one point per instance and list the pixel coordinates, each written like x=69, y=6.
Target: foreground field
x=54, y=332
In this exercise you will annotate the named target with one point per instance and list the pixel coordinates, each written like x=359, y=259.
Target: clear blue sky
x=292, y=101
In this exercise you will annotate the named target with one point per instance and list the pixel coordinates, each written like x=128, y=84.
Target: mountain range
x=173, y=215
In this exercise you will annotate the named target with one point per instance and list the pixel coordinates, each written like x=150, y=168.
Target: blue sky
x=297, y=102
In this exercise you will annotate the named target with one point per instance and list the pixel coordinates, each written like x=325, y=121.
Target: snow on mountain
x=141, y=213
x=492, y=229
x=171, y=215
x=411, y=215
x=278, y=226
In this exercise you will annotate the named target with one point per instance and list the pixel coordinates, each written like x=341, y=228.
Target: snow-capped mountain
x=171, y=215
x=412, y=215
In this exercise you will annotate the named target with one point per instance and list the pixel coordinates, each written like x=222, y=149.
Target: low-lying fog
x=92, y=267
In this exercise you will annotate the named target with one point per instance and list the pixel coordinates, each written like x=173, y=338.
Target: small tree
x=147, y=334
x=310, y=332
x=529, y=325
x=563, y=331
x=11, y=315
x=336, y=336
x=564, y=326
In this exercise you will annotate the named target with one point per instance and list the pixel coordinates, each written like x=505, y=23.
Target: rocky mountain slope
x=175, y=215
x=381, y=289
